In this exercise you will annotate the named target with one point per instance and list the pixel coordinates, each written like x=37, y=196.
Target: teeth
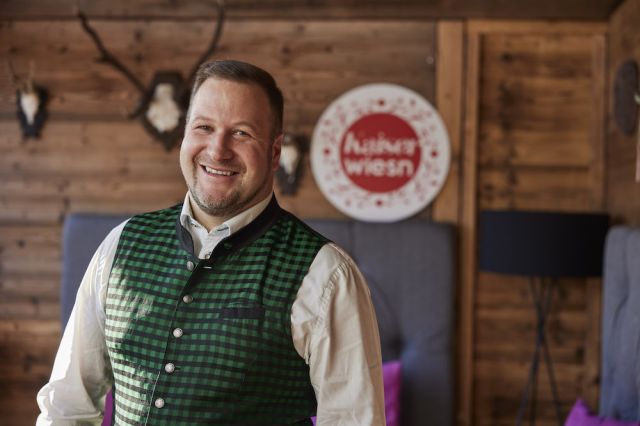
x=217, y=172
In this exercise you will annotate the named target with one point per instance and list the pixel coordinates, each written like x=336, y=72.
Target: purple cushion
x=108, y=410
x=580, y=415
x=392, y=378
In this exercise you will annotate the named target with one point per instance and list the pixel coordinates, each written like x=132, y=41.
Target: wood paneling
x=523, y=102
x=318, y=9
x=539, y=129
x=333, y=55
x=623, y=192
x=91, y=158
x=468, y=237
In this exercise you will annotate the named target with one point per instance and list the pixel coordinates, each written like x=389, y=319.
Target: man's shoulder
x=156, y=219
x=302, y=229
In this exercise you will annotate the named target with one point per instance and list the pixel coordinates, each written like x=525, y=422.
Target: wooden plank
x=520, y=348
x=34, y=262
x=30, y=309
x=592, y=343
x=22, y=286
x=536, y=118
x=570, y=323
x=522, y=188
x=17, y=191
x=326, y=9
x=537, y=27
x=500, y=402
x=517, y=371
x=35, y=211
x=27, y=238
x=518, y=146
x=500, y=406
x=496, y=291
x=105, y=162
x=468, y=260
x=18, y=406
x=449, y=74
x=28, y=328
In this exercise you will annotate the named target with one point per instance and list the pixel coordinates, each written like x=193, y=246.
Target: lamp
x=543, y=246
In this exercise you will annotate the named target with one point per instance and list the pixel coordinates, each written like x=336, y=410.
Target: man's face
x=229, y=153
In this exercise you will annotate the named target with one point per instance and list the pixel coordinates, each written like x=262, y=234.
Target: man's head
x=242, y=72
x=232, y=139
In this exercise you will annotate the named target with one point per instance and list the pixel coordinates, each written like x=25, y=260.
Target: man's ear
x=276, y=147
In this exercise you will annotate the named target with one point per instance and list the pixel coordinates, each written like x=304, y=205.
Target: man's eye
x=241, y=134
x=203, y=127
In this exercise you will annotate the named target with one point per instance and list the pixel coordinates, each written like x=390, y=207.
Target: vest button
x=187, y=298
x=159, y=403
x=191, y=266
x=170, y=367
x=177, y=333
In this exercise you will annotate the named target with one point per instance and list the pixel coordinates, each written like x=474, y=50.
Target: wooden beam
x=449, y=83
x=468, y=232
x=320, y=9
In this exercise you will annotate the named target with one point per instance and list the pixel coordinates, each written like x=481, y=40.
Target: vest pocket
x=240, y=312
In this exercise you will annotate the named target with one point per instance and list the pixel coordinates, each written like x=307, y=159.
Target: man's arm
x=334, y=328
x=81, y=374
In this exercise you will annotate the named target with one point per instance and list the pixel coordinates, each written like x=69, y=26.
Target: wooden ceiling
x=314, y=9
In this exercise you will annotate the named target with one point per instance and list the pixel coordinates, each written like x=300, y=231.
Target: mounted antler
x=30, y=100
x=163, y=105
x=217, y=35
x=108, y=57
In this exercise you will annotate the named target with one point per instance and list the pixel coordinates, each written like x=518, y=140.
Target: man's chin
x=219, y=207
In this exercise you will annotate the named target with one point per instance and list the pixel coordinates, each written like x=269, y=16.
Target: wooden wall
x=522, y=103
x=320, y=9
x=536, y=115
x=534, y=141
x=623, y=192
x=91, y=158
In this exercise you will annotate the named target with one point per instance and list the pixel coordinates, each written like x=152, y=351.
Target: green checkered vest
x=208, y=341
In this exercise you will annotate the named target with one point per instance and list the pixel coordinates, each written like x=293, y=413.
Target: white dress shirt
x=333, y=326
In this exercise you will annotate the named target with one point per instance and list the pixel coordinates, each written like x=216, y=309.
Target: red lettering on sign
x=380, y=152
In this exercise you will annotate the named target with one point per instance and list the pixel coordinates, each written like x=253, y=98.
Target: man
x=225, y=309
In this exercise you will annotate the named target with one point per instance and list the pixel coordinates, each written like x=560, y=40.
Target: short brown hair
x=242, y=72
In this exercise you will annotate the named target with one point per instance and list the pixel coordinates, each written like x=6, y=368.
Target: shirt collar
x=230, y=226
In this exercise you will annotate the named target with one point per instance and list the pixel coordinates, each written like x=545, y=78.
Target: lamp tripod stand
x=542, y=297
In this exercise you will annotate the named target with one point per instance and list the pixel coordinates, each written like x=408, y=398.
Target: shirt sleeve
x=81, y=375
x=334, y=329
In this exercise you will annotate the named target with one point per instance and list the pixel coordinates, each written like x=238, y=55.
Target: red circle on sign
x=380, y=152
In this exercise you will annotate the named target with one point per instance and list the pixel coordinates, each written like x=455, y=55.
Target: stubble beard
x=225, y=206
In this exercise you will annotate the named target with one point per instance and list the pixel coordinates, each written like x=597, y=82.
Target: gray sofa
x=410, y=269
x=620, y=384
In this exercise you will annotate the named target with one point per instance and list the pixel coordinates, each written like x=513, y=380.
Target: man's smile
x=217, y=172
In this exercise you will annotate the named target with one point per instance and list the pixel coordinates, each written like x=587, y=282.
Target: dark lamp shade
x=542, y=244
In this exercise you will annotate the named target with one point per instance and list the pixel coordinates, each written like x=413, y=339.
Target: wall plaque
x=380, y=153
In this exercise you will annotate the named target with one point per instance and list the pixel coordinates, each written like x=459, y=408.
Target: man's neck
x=211, y=222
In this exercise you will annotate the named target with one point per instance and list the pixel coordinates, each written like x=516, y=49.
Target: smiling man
x=224, y=309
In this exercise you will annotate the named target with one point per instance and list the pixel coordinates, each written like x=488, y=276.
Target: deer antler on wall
x=163, y=105
x=31, y=101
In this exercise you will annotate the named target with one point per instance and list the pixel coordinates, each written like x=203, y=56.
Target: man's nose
x=219, y=146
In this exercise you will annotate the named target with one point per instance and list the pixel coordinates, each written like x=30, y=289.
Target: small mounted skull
x=31, y=100
x=290, y=172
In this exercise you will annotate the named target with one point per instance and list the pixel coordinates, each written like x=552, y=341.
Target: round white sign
x=380, y=153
